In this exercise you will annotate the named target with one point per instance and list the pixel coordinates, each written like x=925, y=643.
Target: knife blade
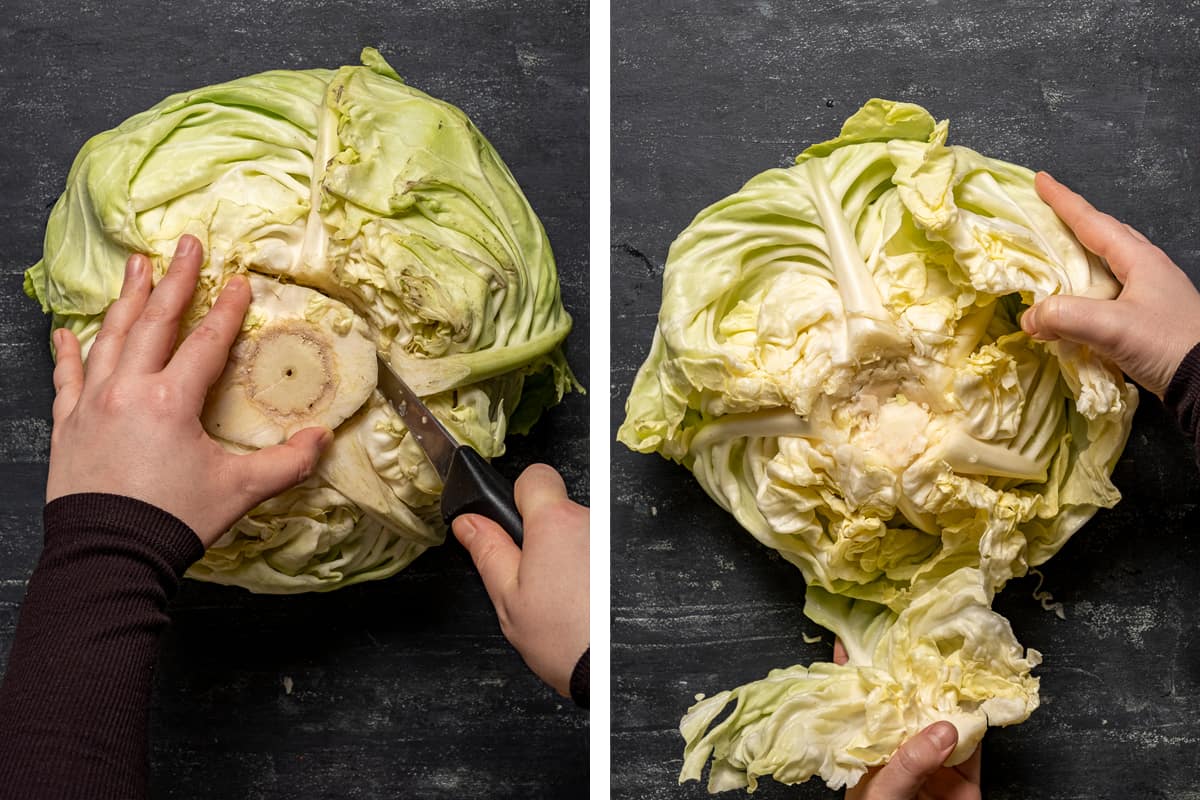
x=470, y=485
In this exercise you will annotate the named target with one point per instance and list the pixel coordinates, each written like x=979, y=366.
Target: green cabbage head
x=838, y=360
x=369, y=217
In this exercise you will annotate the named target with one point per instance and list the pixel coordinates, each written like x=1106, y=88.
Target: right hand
x=540, y=593
x=916, y=770
x=1149, y=328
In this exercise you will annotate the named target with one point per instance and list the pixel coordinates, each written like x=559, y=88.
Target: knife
x=470, y=485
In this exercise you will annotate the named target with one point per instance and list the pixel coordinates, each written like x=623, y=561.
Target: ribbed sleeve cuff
x=1183, y=397
x=164, y=534
x=1185, y=385
x=581, y=679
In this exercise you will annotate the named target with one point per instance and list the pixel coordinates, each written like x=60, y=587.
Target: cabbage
x=838, y=360
x=371, y=217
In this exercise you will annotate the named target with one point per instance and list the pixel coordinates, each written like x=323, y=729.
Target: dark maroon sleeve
x=73, y=705
x=1183, y=397
x=581, y=679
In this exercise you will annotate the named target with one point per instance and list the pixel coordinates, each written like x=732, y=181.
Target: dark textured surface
x=401, y=688
x=1104, y=94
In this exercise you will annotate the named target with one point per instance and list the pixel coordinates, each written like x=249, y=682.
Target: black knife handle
x=473, y=486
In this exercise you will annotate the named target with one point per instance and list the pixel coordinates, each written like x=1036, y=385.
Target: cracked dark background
x=403, y=687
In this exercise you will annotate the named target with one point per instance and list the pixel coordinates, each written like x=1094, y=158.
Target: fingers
x=1135, y=233
x=557, y=530
x=1096, y=323
x=496, y=557
x=1097, y=231
x=201, y=358
x=915, y=761
x=152, y=337
x=839, y=652
x=538, y=486
x=68, y=374
x=121, y=315
x=272, y=470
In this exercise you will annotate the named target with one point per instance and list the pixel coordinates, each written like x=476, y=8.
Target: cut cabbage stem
x=966, y=454
x=870, y=329
x=290, y=371
x=287, y=372
x=773, y=422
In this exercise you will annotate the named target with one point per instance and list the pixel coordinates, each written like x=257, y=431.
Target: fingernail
x=1029, y=321
x=56, y=337
x=943, y=735
x=187, y=245
x=465, y=530
x=236, y=282
x=133, y=268
x=326, y=439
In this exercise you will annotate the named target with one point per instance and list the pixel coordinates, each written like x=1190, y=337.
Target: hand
x=1149, y=328
x=540, y=593
x=130, y=423
x=916, y=771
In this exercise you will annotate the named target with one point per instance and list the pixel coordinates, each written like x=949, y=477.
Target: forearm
x=73, y=705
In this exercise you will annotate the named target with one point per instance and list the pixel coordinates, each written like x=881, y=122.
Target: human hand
x=916, y=770
x=1149, y=328
x=540, y=593
x=130, y=423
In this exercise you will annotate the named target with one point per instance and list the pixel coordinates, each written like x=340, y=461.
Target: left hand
x=916, y=771
x=130, y=423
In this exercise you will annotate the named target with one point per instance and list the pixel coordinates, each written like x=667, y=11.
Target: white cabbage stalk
x=370, y=218
x=839, y=361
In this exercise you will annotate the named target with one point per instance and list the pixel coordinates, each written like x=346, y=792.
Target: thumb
x=495, y=554
x=1096, y=323
x=916, y=760
x=272, y=470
